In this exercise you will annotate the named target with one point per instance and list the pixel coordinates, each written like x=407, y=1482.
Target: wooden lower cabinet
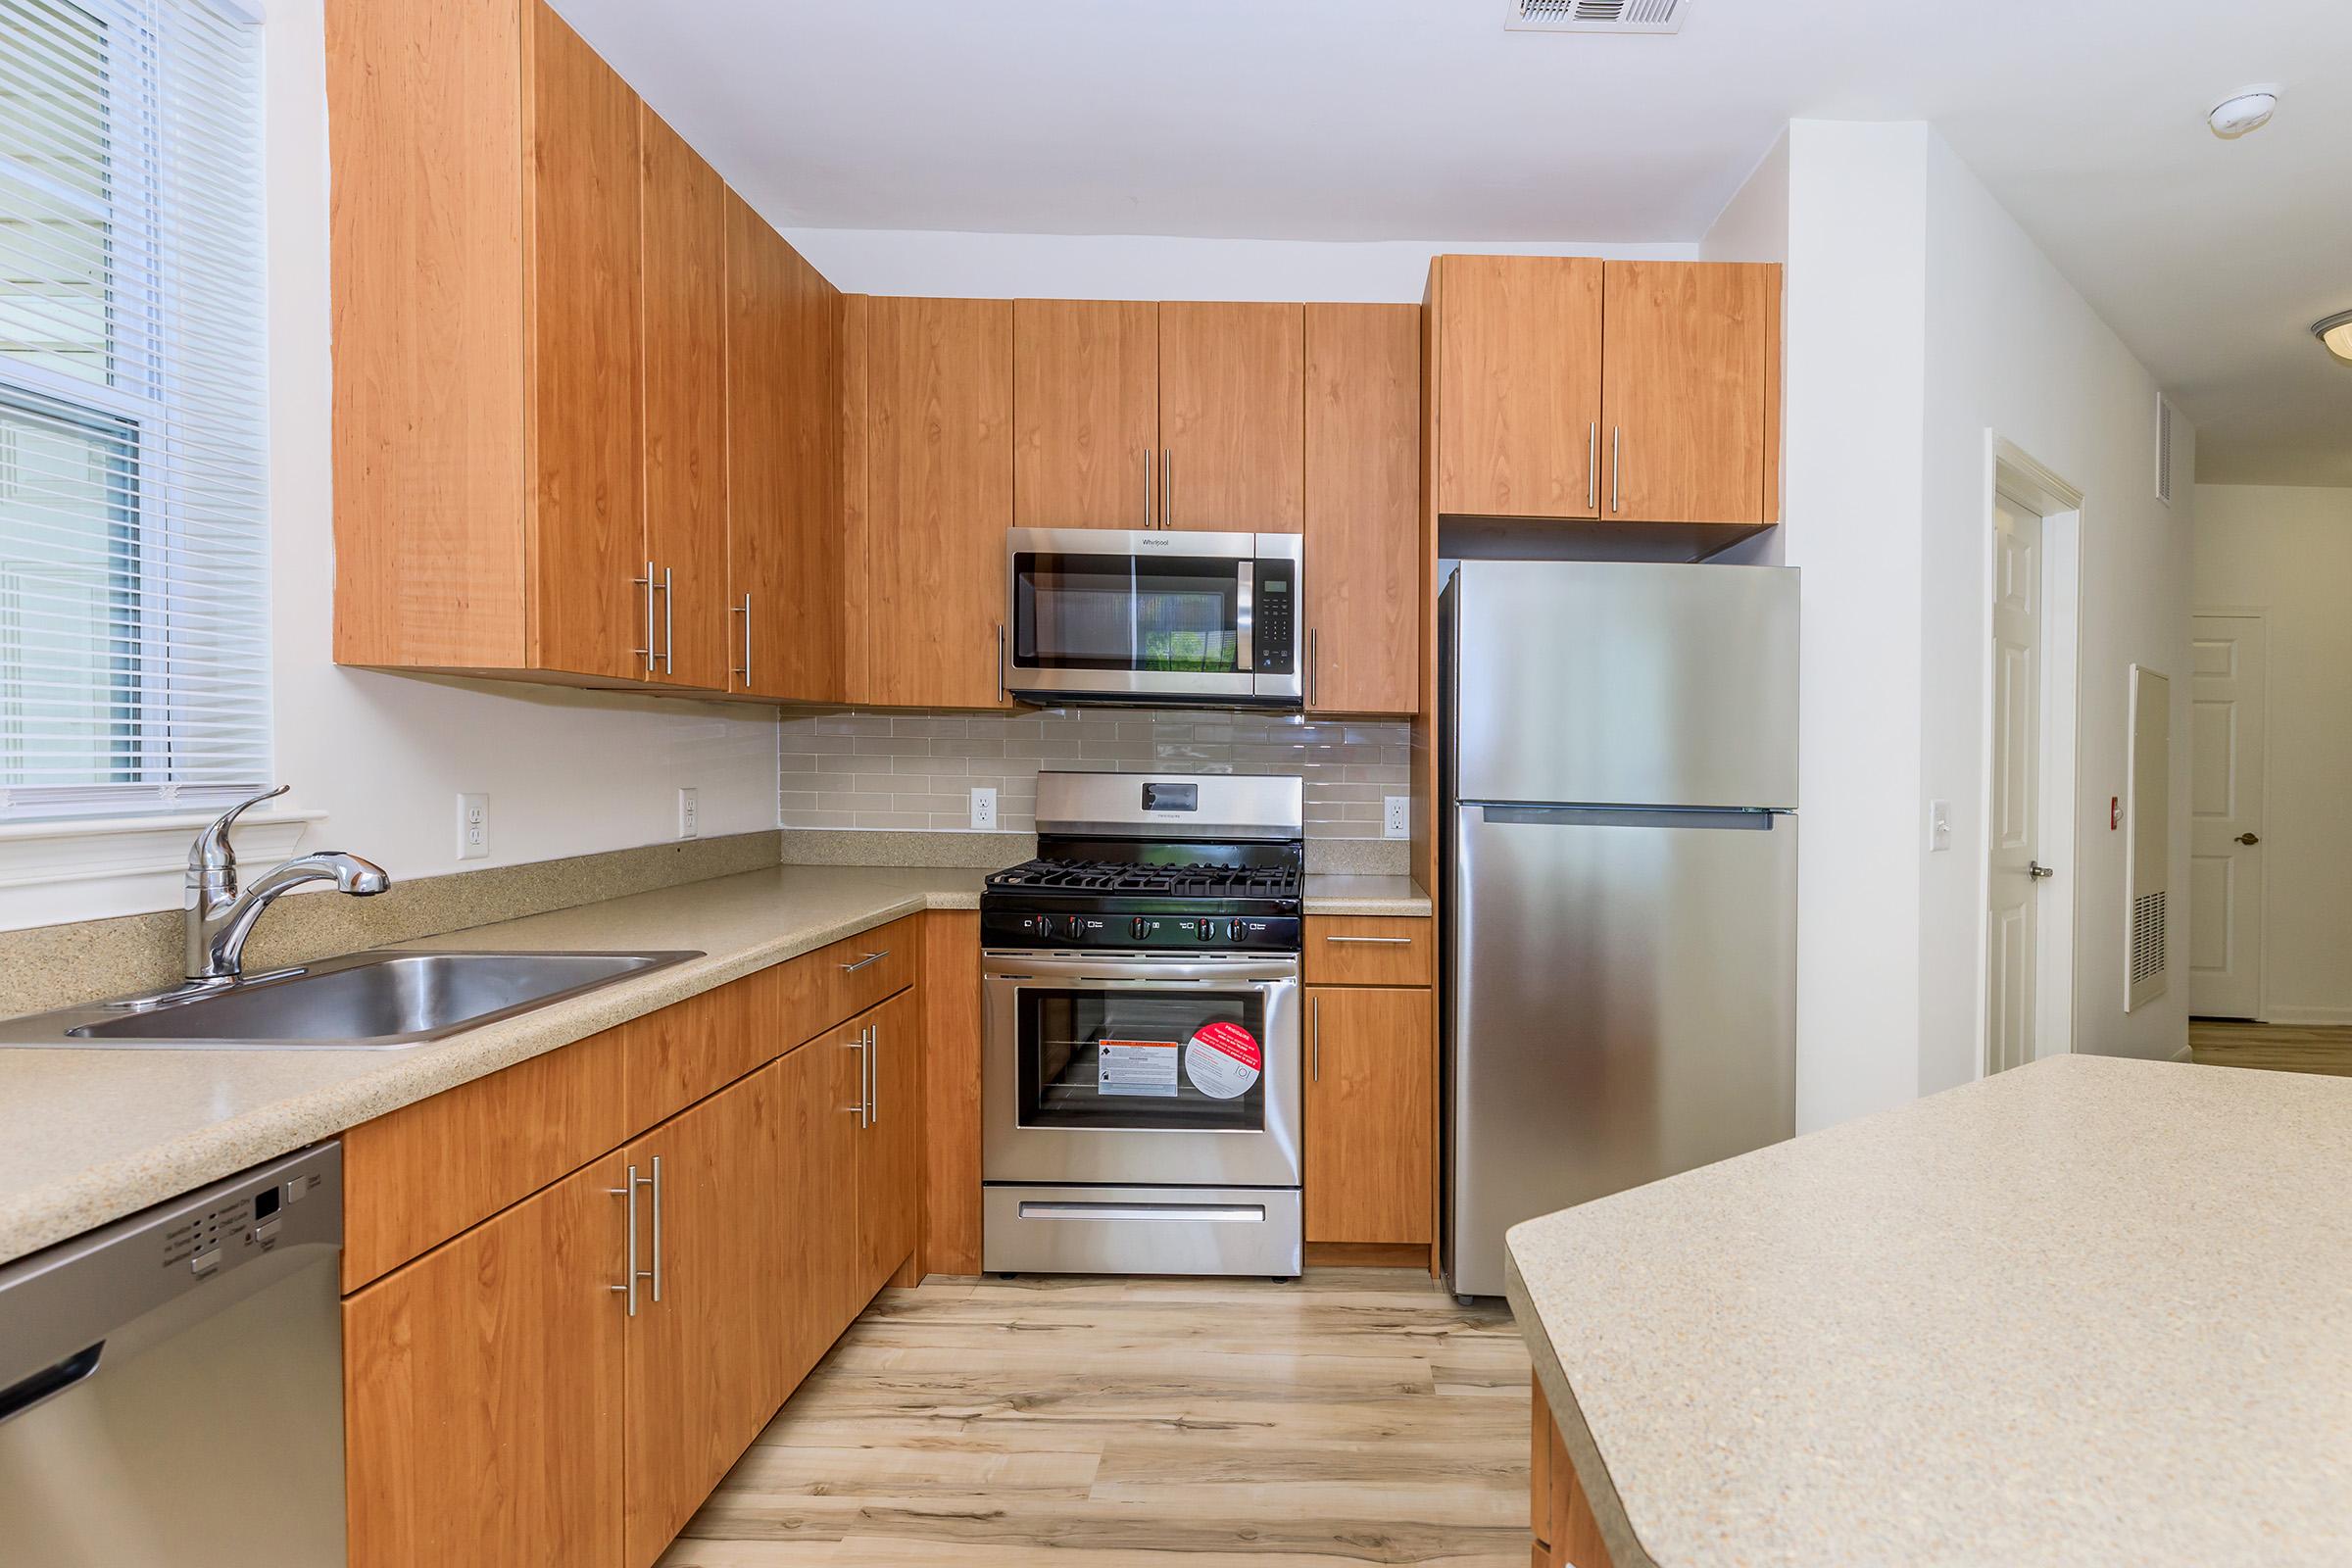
x=483, y=1392
x=505, y=1408
x=704, y=1362
x=1560, y=1515
x=1371, y=1072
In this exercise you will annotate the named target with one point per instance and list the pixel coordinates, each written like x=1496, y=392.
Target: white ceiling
x=1410, y=119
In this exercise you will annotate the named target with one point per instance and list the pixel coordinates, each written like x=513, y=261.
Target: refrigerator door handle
x=1737, y=819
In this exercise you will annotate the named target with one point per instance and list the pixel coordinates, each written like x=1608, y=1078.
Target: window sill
x=101, y=867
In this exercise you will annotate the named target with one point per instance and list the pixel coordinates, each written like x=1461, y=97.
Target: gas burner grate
x=1198, y=881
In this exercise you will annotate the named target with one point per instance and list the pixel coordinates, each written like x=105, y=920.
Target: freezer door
x=1603, y=683
x=1622, y=1007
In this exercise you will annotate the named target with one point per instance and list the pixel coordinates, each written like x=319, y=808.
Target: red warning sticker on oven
x=1223, y=1059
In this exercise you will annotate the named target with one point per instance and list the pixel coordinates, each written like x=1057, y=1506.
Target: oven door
x=1140, y=1069
x=1093, y=613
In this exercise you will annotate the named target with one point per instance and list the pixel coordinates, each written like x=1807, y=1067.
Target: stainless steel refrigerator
x=1618, y=756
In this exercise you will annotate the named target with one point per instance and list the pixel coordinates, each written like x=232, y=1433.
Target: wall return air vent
x=1594, y=16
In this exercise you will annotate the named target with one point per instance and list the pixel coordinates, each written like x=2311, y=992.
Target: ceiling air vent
x=1594, y=16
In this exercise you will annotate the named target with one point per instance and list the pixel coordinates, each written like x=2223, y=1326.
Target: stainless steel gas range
x=1140, y=1101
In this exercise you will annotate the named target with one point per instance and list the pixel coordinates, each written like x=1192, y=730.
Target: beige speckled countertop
x=2090, y=1312
x=1328, y=894
x=89, y=1136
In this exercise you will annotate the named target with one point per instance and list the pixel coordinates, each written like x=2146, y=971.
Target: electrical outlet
x=1939, y=826
x=1397, y=817
x=690, y=813
x=984, y=810
x=474, y=827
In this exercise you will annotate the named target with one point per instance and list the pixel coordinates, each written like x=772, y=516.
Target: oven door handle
x=1199, y=971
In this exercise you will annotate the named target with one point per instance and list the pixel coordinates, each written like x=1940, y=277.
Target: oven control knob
x=1073, y=927
x=1205, y=930
x=1038, y=925
x=1233, y=932
x=1139, y=928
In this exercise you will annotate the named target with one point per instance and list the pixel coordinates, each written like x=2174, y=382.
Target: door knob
x=2038, y=871
x=2249, y=838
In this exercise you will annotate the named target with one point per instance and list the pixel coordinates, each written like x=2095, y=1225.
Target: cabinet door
x=816, y=1199
x=586, y=536
x=938, y=489
x=1518, y=379
x=786, y=568
x=1363, y=508
x=1086, y=414
x=703, y=1361
x=683, y=321
x=1687, y=380
x=482, y=1390
x=1232, y=417
x=890, y=1160
x=1371, y=1065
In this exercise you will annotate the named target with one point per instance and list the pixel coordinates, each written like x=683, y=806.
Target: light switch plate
x=984, y=810
x=690, y=813
x=1397, y=817
x=474, y=827
x=1939, y=826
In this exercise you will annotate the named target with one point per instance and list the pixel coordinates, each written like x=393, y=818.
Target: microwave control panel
x=1275, y=610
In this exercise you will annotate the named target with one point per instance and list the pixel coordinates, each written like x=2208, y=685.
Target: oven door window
x=1116, y=1061
x=1118, y=612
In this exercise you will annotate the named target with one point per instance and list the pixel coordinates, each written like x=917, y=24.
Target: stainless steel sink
x=362, y=1002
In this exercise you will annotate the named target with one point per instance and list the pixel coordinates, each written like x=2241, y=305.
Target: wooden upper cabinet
x=683, y=305
x=1519, y=386
x=1371, y=1076
x=1364, y=495
x=1691, y=391
x=586, y=538
x=1086, y=414
x=1232, y=417
x=939, y=498
x=483, y=1392
x=786, y=563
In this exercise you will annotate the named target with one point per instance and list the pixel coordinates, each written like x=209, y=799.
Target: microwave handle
x=1245, y=615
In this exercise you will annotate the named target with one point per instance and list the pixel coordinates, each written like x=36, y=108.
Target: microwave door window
x=1115, y=612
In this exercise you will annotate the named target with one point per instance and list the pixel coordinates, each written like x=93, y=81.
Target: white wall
x=1921, y=319
x=1142, y=267
x=2287, y=551
x=385, y=756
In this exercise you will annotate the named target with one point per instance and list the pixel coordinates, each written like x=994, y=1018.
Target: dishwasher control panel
x=247, y=1221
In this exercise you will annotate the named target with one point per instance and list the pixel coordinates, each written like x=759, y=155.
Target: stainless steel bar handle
x=656, y=1184
x=858, y=1046
x=1147, y=487
x=1313, y=666
x=1377, y=942
x=873, y=1073
x=1000, y=661
x=628, y=1195
x=1593, y=465
x=1167, y=487
x=647, y=583
x=1616, y=466
x=1314, y=1013
x=745, y=610
x=670, y=631
x=871, y=957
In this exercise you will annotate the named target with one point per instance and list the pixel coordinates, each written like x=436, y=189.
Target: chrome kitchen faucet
x=220, y=918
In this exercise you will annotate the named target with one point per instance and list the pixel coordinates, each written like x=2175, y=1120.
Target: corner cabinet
x=1573, y=388
x=533, y=381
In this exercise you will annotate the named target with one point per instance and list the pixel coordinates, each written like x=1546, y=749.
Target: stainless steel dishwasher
x=171, y=1385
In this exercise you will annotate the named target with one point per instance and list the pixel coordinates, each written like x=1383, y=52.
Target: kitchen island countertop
x=2088, y=1312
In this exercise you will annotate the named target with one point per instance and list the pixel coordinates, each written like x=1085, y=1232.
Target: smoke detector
x=1593, y=15
x=2241, y=112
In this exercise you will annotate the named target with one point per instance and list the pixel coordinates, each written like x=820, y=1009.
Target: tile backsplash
x=918, y=770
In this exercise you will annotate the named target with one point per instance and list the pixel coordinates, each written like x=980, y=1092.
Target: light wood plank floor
x=1358, y=1416
x=2282, y=1047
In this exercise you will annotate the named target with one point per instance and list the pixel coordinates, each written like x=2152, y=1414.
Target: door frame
x=2262, y=905
x=2011, y=471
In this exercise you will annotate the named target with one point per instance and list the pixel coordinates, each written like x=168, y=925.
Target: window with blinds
x=134, y=624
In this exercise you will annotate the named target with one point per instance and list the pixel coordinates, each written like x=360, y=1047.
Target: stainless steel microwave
x=1158, y=615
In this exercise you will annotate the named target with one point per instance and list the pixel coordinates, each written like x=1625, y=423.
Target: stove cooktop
x=1136, y=905
x=1123, y=878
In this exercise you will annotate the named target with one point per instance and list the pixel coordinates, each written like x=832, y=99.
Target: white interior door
x=2014, y=828
x=2226, y=718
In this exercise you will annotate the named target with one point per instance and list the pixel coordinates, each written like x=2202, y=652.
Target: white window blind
x=134, y=621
